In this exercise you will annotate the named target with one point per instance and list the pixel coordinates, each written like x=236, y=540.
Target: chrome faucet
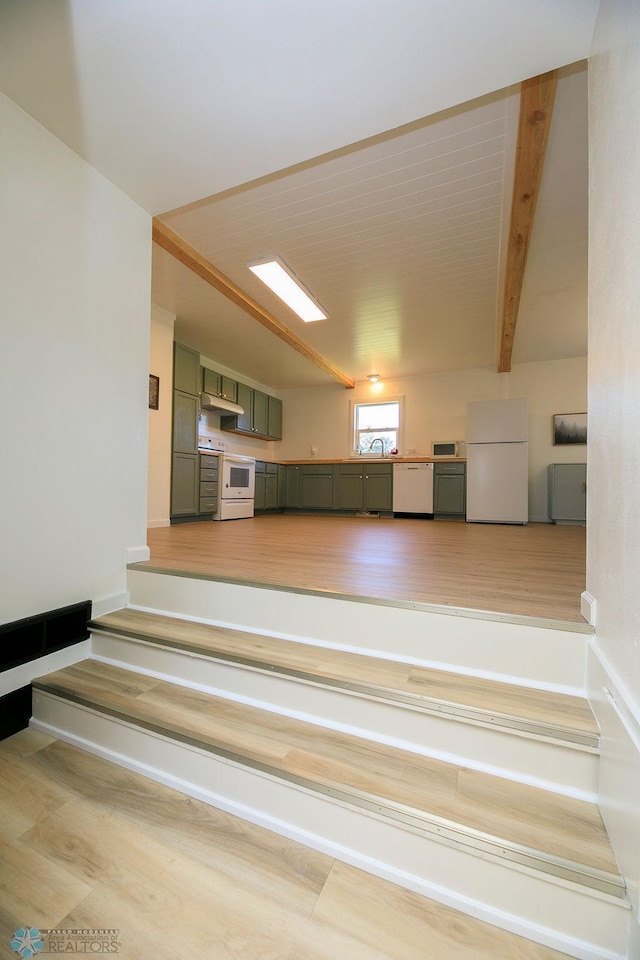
x=381, y=442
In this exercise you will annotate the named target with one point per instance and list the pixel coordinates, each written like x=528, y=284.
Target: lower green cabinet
x=266, y=486
x=449, y=490
x=364, y=486
x=185, y=484
x=316, y=486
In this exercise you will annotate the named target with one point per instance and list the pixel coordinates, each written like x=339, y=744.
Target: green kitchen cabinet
x=185, y=485
x=449, y=490
x=218, y=385
x=274, y=418
x=271, y=486
x=292, y=476
x=259, y=495
x=316, y=486
x=208, y=484
x=186, y=369
x=185, y=462
x=262, y=415
x=364, y=486
x=185, y=422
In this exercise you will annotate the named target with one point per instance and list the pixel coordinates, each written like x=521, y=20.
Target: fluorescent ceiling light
x=284, y=284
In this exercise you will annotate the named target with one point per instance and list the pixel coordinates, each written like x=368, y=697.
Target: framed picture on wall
x=154, y=392
x=569, y=428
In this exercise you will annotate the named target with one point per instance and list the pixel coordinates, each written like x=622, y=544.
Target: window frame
x=377, y=402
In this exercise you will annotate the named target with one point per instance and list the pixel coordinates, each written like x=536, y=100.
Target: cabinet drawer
x=208, y=489
x=210, y=476
x=317, y=469
x=207, y=505
x=260, y=467
x=446, y=469
x=271, y=469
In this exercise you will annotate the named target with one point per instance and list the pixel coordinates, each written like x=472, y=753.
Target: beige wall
x=159, y=452
x=613, y=534
x=436, y=409
x=75, y=282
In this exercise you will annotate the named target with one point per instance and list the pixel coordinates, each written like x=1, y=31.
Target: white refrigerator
x=497, y=461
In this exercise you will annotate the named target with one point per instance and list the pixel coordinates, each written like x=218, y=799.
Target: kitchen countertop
x=416, y=459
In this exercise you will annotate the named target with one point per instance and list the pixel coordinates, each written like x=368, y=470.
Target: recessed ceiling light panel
x=283, y=282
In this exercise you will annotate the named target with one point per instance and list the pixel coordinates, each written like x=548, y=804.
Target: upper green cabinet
x=262, y=415
x=186, y=369
x=218, y=385
x=186, y=407
x=274, y=418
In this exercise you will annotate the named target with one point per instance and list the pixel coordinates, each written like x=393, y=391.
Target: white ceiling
x=399, y=237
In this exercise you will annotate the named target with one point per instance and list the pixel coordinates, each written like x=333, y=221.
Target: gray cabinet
x=364, y=486
x=568, y=492
x=185, y=462
x=274, y=418
x=262, y=415
x=186, y=369
x=185, y=485
x=449, y=490
x=266, y=486
x=292, y=474
x=217, y=385
x=208, y=484
x=316, y=486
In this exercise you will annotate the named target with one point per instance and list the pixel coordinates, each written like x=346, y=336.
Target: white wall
x=75, y=290
x=159, y=453
x=436, y=409
x=613, y=540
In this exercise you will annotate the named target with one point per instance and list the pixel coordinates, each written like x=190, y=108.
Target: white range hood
x=208, y=402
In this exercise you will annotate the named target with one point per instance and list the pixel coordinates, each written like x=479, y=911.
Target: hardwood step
x=530, y=735
x=510, y=707
x=554, y=835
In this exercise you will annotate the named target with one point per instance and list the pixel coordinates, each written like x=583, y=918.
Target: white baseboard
x=158, y=523
x=138, y=554
x=99, y=608
x=588, y=607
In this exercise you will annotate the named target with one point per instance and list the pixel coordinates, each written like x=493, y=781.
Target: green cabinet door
x=316, y=492
x=274, y=418
x=260, y=413
x=185, y=485
x=244, y=420
x=378, y=485
x=185, y=423
x=350, y=488
x=228, y=388
x=210, y=382
x=292, y=476
x=186, y=369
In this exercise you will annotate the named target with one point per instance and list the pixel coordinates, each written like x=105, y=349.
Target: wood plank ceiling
x=402, y=239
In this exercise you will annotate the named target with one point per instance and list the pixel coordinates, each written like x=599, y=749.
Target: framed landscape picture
x=154, y=392
x=569, y=428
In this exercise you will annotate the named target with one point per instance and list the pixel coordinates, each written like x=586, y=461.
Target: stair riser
x=586, y=924
x=494, y=648
x=569, y=770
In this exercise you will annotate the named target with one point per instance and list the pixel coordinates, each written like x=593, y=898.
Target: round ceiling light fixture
x=374, y=378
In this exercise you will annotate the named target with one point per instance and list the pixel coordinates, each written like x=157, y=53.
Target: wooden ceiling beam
x=536, y=108
x=189, y=256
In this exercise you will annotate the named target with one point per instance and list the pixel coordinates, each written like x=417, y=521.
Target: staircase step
x=506, y=848
x=535, y=711
x=541, y=737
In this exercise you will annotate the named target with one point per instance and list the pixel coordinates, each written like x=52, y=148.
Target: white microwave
x=444, y=448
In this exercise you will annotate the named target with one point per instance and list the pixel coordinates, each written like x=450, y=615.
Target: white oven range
x=236, y=486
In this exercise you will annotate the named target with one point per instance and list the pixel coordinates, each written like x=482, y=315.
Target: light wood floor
x=537, y=570
x=85, y=844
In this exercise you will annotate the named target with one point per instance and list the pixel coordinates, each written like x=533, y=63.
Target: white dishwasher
x=413, y=488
